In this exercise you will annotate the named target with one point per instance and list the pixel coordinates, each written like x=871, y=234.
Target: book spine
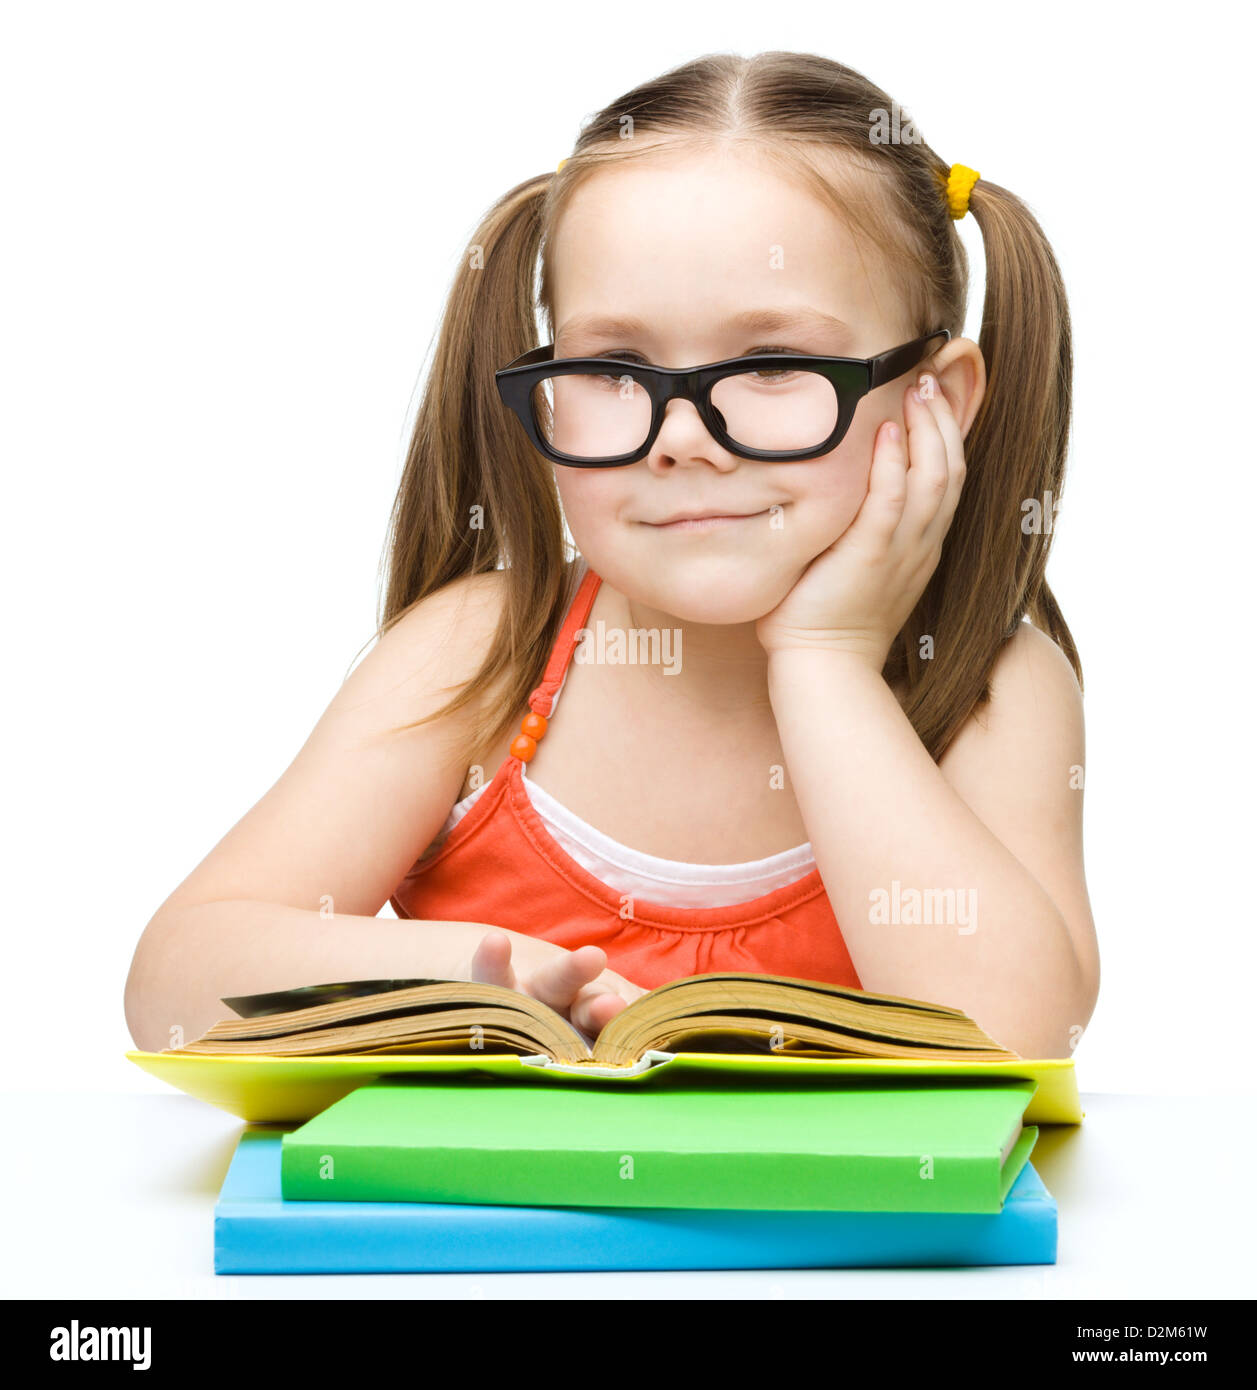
x=314, y=1171
x=322, y=1238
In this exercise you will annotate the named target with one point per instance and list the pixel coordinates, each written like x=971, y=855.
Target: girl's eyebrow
x=767, y=320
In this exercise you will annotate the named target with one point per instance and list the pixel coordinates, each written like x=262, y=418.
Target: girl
x=860, y=763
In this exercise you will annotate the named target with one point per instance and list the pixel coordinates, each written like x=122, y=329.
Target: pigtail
x=991, y=573
x=474, y=496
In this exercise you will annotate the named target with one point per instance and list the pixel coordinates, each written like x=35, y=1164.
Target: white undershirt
x=668, y=882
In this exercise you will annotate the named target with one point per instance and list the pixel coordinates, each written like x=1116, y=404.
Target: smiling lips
x=702, y=521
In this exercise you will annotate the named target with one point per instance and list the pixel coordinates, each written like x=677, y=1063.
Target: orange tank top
x=500, y=865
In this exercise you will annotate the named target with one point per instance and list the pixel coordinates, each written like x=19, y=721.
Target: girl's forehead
x=714, y=208
x=706, y=238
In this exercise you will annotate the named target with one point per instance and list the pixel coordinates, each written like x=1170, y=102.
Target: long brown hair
x=474, y=496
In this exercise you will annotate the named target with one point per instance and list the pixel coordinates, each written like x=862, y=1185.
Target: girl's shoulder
x=457, y=620
x=442, y=641
x=471, y=606
x=1033, y=681
x=422, y=657
x=454, y=617
x=1034, y=715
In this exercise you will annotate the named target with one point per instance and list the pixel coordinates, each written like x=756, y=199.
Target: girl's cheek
x=830, y=495
x=590, y=497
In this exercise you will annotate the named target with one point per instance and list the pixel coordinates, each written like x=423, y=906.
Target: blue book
x=257, y=1232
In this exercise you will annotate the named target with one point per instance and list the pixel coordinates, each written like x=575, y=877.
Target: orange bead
x=534, y=725
x=523, y=748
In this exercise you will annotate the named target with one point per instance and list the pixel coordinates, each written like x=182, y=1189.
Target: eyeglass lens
x=603, y=415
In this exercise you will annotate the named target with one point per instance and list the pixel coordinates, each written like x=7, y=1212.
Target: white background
x=228, y=235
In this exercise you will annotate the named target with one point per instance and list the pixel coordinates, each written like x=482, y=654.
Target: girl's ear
x=961, y=372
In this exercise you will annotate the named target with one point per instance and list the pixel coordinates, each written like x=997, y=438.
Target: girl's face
x=690, y=247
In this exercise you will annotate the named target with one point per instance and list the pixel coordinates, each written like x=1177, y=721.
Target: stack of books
x=719, y=1122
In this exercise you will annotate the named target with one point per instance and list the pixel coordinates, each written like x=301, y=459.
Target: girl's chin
x=712, y=588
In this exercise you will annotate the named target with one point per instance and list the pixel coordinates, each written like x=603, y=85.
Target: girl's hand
x=574, y=983
x=858, y=594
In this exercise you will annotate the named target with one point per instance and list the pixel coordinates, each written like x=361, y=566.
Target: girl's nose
x=683, y=437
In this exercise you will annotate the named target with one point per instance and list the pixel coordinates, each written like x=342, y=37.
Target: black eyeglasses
x=600, y=412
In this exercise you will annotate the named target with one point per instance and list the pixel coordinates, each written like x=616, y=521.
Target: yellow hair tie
x=562, y=162
x=960, y=183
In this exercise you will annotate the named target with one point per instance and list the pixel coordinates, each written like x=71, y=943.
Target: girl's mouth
x=703, y=521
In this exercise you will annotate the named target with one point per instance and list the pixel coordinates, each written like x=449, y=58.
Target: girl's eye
x=615, y=382
x=767, y=374
x=771, y=374
x=612, y=381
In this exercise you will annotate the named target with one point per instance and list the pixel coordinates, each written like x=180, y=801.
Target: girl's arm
x=989, y=839
x=288, y=897
x=191, y=957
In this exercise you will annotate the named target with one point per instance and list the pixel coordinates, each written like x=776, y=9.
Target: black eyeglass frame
x=851, y=377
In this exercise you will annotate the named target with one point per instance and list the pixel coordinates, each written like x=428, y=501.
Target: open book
x=721, y=1013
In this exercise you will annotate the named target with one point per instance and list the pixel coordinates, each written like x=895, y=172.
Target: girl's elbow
x=1055, y=1028
x=137, y=1005
x=144, y=998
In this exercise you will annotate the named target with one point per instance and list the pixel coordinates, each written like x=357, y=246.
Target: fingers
x=491, y=963
x=932, y=395
x=954, y=451
x=928, y=474
x=883, y=507
x=593, y=1008
x=569, y=983
x=559, y=981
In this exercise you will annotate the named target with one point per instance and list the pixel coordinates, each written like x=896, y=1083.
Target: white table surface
x=112, y=1196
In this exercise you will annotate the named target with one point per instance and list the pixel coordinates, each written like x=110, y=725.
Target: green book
x=945, y=1145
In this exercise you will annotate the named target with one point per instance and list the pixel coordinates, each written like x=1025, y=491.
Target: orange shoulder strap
x=541, y=701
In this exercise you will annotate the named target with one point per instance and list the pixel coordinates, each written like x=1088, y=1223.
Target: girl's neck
x=721, y=666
